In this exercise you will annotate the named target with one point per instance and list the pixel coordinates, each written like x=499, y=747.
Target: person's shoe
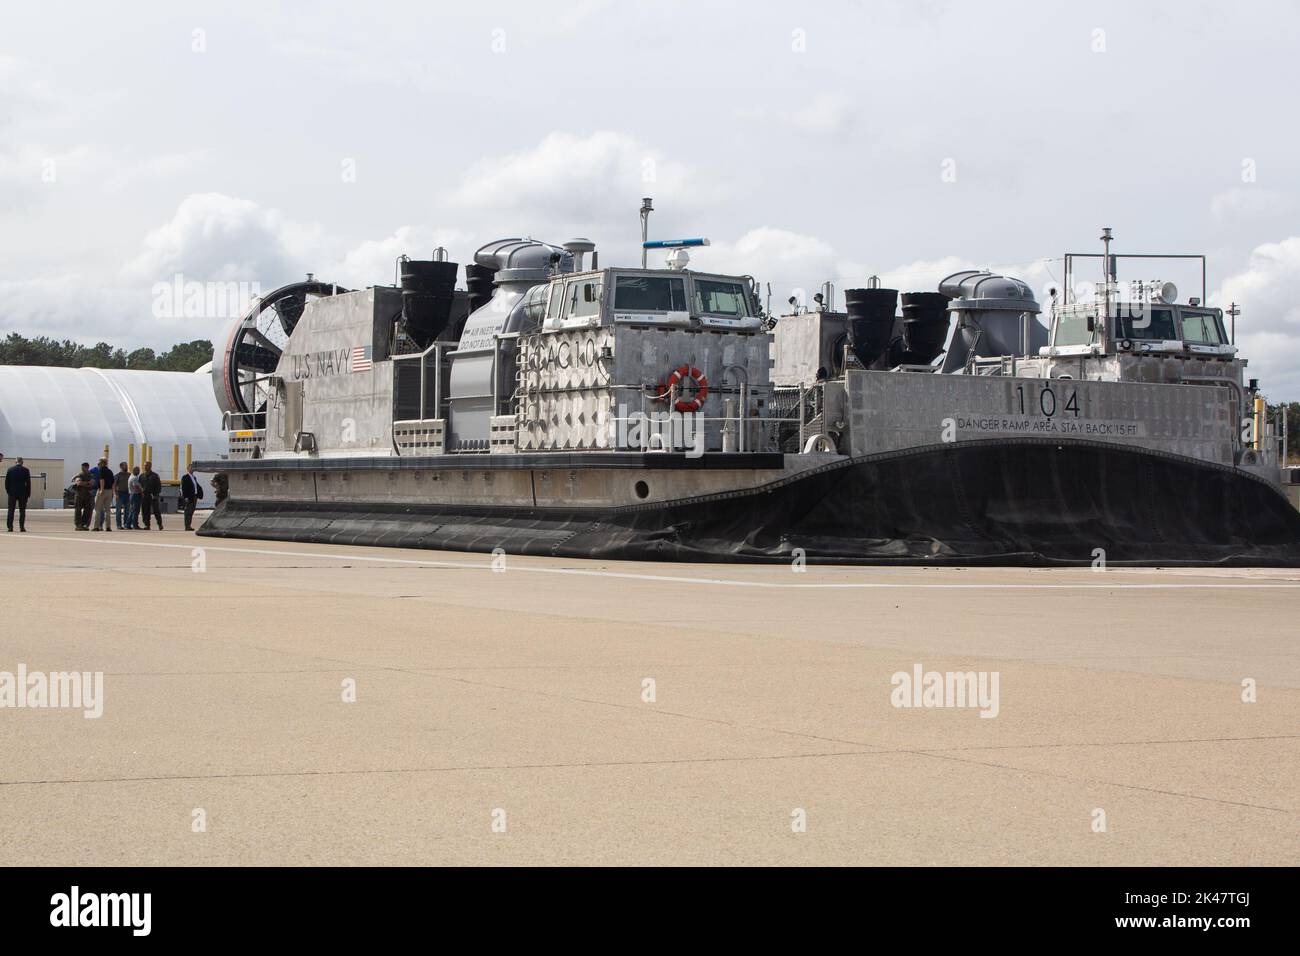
x=23, y=530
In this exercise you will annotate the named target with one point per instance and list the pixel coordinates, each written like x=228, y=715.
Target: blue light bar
x=673, y=243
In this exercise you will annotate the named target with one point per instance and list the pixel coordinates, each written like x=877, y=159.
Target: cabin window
x=557, y=300
x=1072, y=327
x=1201, y=328
x=719, y=298
x=584, y=297
x=1138, y=322
x=649, y=294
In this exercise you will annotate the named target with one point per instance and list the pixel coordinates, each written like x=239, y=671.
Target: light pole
x=647, y=207
x=1105, y=280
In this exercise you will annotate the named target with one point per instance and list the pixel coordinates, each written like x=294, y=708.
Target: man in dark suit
x=191, y=492
x=151, y=486
x=18, y=486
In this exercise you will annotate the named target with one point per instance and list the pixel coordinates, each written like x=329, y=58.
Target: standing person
x=191, y=492
x=121, y=495
x=221, y=485
x=145, y=471
x=83, y=497
x=151, y=485
x=134, y=492
x=103, y=495
x=18, y=486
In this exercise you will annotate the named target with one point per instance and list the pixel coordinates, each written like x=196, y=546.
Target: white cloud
x=23, y=91
x=770, y=254
x=29, y=168
x=374, y=260
x=1248, y=203
x=793, y=261
x=824, y=114
x=85, y=308
x=1268, y=329
x=214, y=237
x=210, y=238
x=358, y=66
x=35, y=153
x=568, y=182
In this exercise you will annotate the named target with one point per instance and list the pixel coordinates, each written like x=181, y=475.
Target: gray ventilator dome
x=995, y=316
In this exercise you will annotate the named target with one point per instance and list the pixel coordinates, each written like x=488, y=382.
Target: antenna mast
x=647, y=207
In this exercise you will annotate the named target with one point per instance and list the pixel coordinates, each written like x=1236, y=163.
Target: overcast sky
x=254, y=142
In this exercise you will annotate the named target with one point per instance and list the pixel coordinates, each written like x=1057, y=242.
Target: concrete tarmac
x=585, y=712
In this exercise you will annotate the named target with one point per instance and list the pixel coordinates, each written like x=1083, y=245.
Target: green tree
x=16, y=349
x=186, y=356
x=142, y=358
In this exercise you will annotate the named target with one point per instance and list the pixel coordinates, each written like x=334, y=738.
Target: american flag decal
x=361, y=356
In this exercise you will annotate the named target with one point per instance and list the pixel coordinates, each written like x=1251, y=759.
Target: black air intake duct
x=478, y=280
x=871, y=322
x=428, y=290
x=925, y=325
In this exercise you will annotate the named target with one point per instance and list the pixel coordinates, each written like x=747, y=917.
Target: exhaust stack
x=870, y=321
x=479, y=283
x=428, y=291
x=925, y=325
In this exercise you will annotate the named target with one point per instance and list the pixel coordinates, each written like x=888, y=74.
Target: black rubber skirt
x=1010, y=502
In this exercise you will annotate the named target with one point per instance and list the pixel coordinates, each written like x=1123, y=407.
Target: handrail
x=439, y=354
x=667, y=415
x=228, y=417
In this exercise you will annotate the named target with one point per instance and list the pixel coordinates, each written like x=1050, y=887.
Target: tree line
x=16, y=349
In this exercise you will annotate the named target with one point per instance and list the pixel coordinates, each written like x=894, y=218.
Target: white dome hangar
x=56, y=418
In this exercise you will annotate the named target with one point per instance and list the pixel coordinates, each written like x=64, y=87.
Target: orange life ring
x=701, y=388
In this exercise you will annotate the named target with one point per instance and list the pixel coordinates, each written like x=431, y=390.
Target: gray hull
x=1017, y=501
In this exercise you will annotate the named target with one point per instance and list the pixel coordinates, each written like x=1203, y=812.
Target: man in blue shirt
x=103, y=478
x=136, y=492
x=121, y=496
